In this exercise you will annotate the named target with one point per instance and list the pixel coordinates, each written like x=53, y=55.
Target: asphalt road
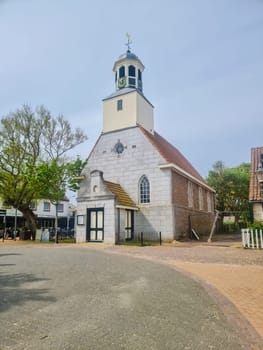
x=70, y=297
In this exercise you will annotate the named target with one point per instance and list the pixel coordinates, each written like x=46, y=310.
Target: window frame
x=33, y=205
x=120, y=105
x=59, y=207
x=201, y=198
x=122, y=72
x=46, y=209
x=144, y=190
x=190, y=193
x=132, y=71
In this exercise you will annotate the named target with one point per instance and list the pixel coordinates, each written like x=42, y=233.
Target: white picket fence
x=252, y=238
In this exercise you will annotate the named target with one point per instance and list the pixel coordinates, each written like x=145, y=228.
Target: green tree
x=232, y=186
x=28, y=140
x=55, y=177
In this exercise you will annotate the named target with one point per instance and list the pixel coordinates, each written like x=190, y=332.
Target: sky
x=203, y=67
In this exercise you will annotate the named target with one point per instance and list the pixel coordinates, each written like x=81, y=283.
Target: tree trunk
x=30, y=220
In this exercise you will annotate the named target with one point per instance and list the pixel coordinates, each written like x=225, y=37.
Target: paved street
x=74, y=297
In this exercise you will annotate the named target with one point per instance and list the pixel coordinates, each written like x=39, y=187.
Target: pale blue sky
x=203, y=59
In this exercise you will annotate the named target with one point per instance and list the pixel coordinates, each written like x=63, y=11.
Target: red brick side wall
x=190, y=218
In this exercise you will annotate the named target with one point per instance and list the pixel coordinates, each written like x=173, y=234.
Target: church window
x=139, y=75
x=201, y=199
x=119, y=105
x=144, y=190
x=190, y=195
x=209, y=202
x=122, y=72
x=132, y=82
x=131, y=71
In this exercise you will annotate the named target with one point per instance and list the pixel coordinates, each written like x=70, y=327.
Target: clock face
x=119, y=148
x=121, y=82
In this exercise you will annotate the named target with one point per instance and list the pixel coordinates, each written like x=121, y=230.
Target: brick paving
x=242, y=286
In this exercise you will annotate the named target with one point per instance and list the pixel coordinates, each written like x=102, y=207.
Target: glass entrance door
x=95, y=224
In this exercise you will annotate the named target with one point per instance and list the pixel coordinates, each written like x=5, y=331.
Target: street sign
x=2, y=212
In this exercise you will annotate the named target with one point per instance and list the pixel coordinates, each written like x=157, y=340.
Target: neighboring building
x=45, y=213
x=256, y=184
x=135, y=180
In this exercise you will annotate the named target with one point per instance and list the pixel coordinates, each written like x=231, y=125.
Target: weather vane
x=129, y=41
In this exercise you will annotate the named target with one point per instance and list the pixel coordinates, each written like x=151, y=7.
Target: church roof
x=254, y=188
x=128, y=55
x=171, y=154
x=123, y=198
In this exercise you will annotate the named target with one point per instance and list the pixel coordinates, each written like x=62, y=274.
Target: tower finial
x=129, y=42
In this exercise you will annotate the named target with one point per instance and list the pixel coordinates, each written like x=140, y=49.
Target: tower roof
x=128, y=55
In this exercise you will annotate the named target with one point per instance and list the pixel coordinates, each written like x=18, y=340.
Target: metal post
x=141, y=238
x=160, y=235
x=4, y=221
x=15, y=225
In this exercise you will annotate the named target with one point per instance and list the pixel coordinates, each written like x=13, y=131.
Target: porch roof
x=123, y=199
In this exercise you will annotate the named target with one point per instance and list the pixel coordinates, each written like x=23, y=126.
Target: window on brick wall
x=144, y=188
x=209, y=202
x=201, y=199
x=190, y=195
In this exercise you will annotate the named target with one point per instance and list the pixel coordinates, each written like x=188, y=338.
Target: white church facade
x=135, y=180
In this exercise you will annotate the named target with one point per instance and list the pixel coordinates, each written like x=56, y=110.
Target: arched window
x=131, y=71
x=144, y=186
x=122, y=72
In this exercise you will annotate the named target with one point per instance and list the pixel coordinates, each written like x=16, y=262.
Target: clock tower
x=127, y=106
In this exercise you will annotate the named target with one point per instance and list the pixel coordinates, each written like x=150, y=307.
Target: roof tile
x=171, y=154
x=122, y=197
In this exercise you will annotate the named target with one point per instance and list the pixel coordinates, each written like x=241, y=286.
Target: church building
x=135, y=180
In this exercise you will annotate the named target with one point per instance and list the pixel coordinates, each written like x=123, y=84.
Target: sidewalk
x=242, y=285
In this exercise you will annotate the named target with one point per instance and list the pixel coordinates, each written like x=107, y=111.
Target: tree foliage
x=33, y=158
x=232, y=186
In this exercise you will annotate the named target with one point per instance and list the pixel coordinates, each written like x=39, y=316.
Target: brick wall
x=187, y=218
